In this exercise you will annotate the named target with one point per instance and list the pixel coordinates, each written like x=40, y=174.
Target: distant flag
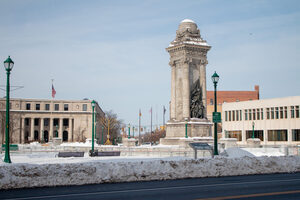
x=165, y=110
x=53, y=91
x=140, y=113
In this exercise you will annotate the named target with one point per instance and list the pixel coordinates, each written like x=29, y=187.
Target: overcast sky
x=114, y=51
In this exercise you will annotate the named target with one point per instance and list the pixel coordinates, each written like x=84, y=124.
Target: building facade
x=273, y=121
x=42, y=120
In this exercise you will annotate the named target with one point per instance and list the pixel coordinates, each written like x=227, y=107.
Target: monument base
x=198, y=130
x=129, y=142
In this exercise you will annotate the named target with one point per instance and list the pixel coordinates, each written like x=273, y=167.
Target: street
x=272, y=186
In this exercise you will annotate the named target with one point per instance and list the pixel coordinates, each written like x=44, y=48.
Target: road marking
x=150, y=189
x=253, y=195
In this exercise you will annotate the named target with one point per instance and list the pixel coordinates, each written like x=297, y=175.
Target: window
x=285, y=112
x=237, y=100
x=84, y=107
x=66, y=107
x=277, y=135
x=233, y=115
x=258, y=114
x=226, y=117
x=272, y=113
x=27, y=106
x=277, y=113
x=229, y=115
x=262, y=113
x=254, y=114
x=297, y=111
x=37, y=106
x=250, y=114
x=36, y=121
x=27, y=121
x=281, y=113
x=292, y=112
x=268, y=113
x=241, y=115
x=55, y=122
x=246, y=115
x=56, y=107
x=65, y=122
x=211, y=101
x=296, y=134
x=47, y=106
x=46, y=122
x=237, y=115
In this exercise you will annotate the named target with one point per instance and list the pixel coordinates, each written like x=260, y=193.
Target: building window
x=262, y=113
x=257, y=134
x=211, y=101
x=65, y=122
x=296, y=134
x=277, y=112
x=281, y=113
x=47, y=106
x=226, y=117
x=56, y=107
x=292, y=112
x=285, y=112
x=237, y=115
x=55, y=122
x=66, y=107
x=237, y=100
x=46, y=122
x=36, y=121
x=26, y=121
x=37, y=106
x=258, y=114
x=268, y=113
x=297, y=111
x=272, y=113
x=254, y=114
x=246, y=114
x=27, y=106
x=233, y=115
x=84, y=107
x=250, y=114
x=241, y=115
x=277, y=135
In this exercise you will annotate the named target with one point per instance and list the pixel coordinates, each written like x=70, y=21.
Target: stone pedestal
x=253, y=142
x=56, y=141
x=129, y=142
x=228, y=142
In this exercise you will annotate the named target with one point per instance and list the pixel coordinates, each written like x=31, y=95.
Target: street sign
x=216, y=117
x=201, y=146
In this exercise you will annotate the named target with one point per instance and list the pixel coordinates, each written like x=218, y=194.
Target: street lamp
x=186, y=124
x=8, y=64
x=128, y=131
x=215, y=79
x=93, y=127
x=253, y=129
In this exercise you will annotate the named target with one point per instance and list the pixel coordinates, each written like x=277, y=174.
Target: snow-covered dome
x=188, y=24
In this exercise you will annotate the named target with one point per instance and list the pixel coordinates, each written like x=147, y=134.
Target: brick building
x=228, y=96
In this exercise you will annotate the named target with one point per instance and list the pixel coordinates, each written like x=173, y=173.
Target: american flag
x=53, y=92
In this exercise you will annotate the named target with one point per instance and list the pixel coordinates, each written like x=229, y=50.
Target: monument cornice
x=188, y=47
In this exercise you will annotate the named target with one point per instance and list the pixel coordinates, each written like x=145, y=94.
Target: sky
x=114, y=51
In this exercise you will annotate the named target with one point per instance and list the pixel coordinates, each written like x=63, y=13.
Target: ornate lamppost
x=253, y=129
x=128, y=131
x=8, y=64
x=215, y=79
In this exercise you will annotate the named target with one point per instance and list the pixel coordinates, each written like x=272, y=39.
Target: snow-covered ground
x=44, y=169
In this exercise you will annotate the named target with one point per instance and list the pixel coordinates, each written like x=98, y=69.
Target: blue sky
x=114, y=51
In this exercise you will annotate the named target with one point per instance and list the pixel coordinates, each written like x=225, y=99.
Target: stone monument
x=188, y=62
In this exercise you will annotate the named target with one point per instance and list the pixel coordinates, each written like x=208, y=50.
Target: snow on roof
x=187, y=20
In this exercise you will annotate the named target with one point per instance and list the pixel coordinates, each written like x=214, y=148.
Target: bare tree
x=14, y=127
x=112, y=126
x=155, y=136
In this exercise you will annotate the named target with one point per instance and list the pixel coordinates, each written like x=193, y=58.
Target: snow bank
x=103, y=171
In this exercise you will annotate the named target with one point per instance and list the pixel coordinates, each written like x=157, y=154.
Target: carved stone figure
x=197, y=107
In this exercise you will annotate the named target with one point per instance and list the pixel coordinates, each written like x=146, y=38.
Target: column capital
x=187, y=60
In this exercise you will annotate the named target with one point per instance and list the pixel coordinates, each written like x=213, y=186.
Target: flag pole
x=140, y=115
x=151, y=127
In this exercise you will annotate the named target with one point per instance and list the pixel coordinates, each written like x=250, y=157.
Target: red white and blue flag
x=53, y=91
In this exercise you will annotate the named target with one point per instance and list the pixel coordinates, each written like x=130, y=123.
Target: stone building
x=188, y=60
x=42, y=120
x=275, y=121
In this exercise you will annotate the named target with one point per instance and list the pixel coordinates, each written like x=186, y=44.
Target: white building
x=275, y=121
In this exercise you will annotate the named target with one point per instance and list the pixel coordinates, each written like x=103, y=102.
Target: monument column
x=22, y=130
x=173, y=91
x=203, y=84
x=51, y=128
x=32, y=129
x=42, y=130
x=60, y=133
x=186, y=90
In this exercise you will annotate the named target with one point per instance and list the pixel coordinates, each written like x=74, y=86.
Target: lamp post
x=128, y=131
x=253, y=129
x=215, y=79
x=133, y=131
x=93, y=126
x=8, y=64
x=186, y=124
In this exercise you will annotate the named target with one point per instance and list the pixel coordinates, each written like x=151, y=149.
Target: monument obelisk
x=188, y=60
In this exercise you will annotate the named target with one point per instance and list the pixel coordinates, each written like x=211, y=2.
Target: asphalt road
x=272, y=186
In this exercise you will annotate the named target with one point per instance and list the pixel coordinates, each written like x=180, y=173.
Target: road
x=272, y=186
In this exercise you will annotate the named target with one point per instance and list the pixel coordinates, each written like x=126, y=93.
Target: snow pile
x=123, y=170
